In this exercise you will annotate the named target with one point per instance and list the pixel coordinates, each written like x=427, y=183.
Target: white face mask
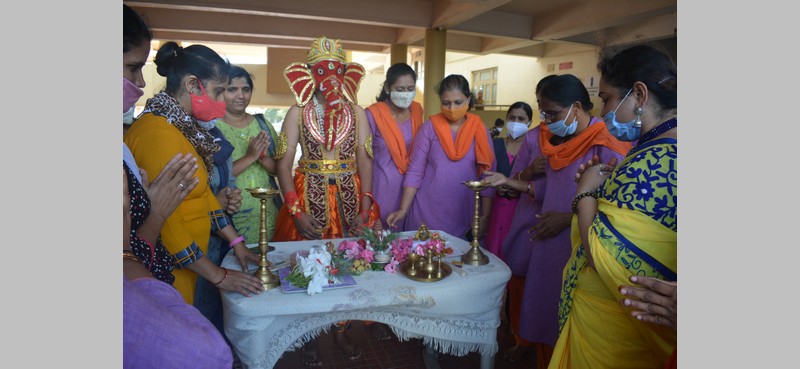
x=402, y=99
x=516, y=129
x=128, y=116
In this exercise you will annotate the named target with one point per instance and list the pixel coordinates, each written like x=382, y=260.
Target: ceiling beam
x=196, y=37
x=593, y=16
x=449, y=13
x=500, y=45
x=373, y=12
x=655, y=28
x=247, y=25
x=495, y=23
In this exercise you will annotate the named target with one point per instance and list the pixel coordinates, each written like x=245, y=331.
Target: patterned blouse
x=155, y=258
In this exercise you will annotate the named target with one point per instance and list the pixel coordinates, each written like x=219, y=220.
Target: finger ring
x=181, y=186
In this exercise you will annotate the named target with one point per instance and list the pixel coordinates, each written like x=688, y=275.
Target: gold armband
x=368, y=147
x=281, y=145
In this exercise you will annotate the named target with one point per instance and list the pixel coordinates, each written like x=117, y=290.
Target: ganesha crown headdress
x=323, y=48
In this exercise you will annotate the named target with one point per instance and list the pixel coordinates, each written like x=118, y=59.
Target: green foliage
x=378, y=244
x=275, y=116
x=297, y=279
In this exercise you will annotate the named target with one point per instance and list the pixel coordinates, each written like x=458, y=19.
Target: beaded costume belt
x=326, y=166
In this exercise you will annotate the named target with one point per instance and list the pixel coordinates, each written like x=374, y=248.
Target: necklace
x=318, y=108
x=655, y=132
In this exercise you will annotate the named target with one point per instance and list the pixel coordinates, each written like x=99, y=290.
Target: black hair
x=642, y=63
x=543, y=81
x=521, y=105
x=394, y=73
x=239, y=72
x=565, y=89
x=499, y=122
x=175, y=62
x=134, y=29
x=455, y=82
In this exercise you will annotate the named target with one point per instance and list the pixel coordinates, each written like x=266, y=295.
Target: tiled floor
x=392, y=354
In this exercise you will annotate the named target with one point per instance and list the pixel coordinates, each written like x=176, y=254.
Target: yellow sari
x=634, y=233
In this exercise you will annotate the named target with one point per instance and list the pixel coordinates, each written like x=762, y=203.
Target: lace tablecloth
x=456, y=315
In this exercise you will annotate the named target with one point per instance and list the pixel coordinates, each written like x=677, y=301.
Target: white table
x=456, y=315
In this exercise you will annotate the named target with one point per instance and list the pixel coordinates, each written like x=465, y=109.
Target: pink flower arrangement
x=400, y=247
x=434, y=244
x=355, y=254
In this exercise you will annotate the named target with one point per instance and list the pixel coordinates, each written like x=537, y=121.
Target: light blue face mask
x=630, y=131
x=561, y=129
x=207, y=125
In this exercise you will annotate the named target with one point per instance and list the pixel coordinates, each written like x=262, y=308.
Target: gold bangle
x=128, y=255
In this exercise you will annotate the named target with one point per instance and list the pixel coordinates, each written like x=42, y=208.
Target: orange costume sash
x=561, y=156
x=391, y=132
x=285, y=228
x=472, y=130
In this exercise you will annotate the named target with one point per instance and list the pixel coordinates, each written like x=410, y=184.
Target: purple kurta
x=442, y=202
x=387, y=182
x=516, y=249
x=160, y=330
x=539, y=320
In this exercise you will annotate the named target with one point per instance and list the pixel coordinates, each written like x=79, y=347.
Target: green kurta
x=248, y=219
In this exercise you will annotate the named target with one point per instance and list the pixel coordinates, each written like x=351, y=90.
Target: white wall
x=516, y=75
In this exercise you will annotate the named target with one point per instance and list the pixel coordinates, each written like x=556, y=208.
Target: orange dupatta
x=391, y=132
x=565, y=154
x=472, y=130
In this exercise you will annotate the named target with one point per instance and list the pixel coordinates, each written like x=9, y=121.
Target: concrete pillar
x=398, y=54
x=435, y=44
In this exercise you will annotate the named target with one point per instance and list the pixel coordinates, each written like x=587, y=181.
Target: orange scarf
x=565, y=154
x=391, y=132
x=472, y=130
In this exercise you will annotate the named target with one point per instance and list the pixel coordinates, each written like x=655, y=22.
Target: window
x=485, y=82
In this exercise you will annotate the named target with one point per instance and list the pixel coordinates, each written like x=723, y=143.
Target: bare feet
x=310, y=354
x=516, y=353
x=349, y=349
x=380, y=331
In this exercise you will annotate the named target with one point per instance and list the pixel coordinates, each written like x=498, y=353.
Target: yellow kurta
x=153, y=142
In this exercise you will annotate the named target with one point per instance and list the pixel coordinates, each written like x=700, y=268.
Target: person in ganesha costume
x=330, y=195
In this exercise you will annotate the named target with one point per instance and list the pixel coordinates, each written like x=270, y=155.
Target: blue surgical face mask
x=561, y=129
x=622, y=131
x=516, y=129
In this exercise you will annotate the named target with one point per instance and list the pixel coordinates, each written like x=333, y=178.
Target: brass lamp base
x=268, y=279
x=475, y=257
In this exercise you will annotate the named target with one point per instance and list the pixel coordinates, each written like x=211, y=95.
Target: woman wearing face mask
x=170, y=124
x=394, y=121
x=150, y=203
x=626, y=219
x=450, y=148
x=518, y=118
x=569, y=136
